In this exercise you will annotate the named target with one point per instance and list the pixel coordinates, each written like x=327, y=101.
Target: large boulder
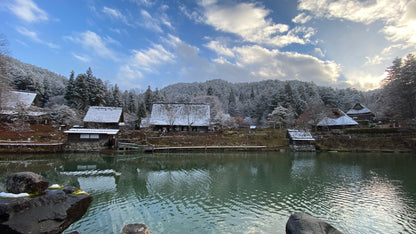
x=26, y=182
x=135, y=228
x=301, y=223
x=51, y=212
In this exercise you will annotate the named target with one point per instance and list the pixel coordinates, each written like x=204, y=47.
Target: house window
x=94, y=136
x=89, y=136
x=85, y=136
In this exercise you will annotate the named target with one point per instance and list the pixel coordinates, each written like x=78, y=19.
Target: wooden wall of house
x=101, y=125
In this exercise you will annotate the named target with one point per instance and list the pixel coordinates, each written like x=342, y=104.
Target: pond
x=234, y=192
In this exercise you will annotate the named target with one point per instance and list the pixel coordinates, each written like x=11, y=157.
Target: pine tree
x=141, y=112
x=400, y=88
x=81, y=96
x=70, y=89
x=148, y=99
x=118, y=101
x=131, y=103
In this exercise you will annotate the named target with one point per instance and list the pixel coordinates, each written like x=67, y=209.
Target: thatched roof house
x=17, y=104
x=360, y=112
x=16, y=99
x=103, y=117
x=180, y=116
x=336, y=119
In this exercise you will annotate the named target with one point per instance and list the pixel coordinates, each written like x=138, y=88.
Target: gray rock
x=136, y=228
x=26, y=182
x=301, y=223
x=52, y=211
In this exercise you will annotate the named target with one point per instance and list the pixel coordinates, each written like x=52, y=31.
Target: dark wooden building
x=101, y=138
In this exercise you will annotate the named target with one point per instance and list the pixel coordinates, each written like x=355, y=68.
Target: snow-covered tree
x=281, y=117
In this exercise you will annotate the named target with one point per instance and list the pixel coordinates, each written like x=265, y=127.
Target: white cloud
x=250, y=22
x=28, y=11
x=144, y=61
x=150, y=22
x=399, y=17
x=35, y=37
x=147, y=59
x=318, y=52
x=82, y=58
x=354, y=10
x=220, y=48
x=373, y=60
x=96, y=43
x=302, y=18
x=272, y=64
x=114, y=13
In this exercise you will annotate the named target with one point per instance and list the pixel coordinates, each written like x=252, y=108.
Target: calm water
x=234, y=192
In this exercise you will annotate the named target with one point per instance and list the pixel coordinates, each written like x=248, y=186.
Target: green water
x=234, y=192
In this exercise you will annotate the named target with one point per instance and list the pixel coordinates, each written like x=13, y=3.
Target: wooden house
x=104, y=117
x=88, y=139
x=360, y=113
x=180, y=117
x=17, y=104
x=336, y=119
x=300, y=140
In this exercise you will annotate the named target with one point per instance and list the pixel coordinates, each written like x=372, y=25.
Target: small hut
x=300, y=140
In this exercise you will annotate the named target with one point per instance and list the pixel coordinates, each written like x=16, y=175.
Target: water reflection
x=235, y=192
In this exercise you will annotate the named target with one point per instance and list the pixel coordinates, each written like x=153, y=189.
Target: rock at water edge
x=26, y=182
x=301, y=223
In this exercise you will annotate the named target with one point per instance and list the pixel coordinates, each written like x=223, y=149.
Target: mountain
x=27, y=77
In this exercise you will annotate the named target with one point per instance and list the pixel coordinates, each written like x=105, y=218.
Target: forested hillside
x=26, y=77
x=259, y=102
x=258, y=99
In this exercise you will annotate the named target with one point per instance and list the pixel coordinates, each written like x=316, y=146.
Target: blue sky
x=136, y=43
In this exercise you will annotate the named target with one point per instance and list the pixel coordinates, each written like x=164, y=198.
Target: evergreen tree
x=131, y=103
x=232, y=103
x=148, y=99
x=117, y=97
x=141, y=112
x=45, y=93
x=70, y=89
x=400, y=88
x=210, y=92
x=81, y=96
x=100, y=93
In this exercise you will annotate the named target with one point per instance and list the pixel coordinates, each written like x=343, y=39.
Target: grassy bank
x=370, y=144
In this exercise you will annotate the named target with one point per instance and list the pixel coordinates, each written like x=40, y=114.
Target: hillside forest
x=261, y=103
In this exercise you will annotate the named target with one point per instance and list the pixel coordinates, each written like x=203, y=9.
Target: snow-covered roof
x=300, y=135
x=358, y=109
x=16, y=98
x=28, y=113
x=337, y=118
x=341, y=121
x=92, y=131
x=100, y=114
x=180, y=114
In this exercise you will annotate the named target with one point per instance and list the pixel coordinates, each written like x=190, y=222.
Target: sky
x=137, y=43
